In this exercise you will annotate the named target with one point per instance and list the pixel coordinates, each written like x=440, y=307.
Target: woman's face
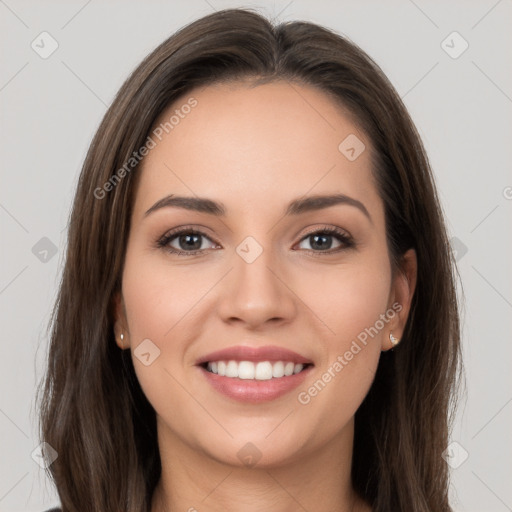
x=258, y=275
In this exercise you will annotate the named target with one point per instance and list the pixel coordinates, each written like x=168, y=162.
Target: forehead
x=249, y=146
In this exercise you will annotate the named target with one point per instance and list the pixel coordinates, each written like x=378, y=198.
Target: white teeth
x=263, y=370
x=221, y=368
x=288, y=369
x=278, y=369
x=232, y=369
x=245, y=370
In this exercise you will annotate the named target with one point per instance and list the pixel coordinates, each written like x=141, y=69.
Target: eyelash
x=346, y=240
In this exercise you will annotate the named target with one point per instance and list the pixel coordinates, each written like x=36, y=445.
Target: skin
x=255, y=149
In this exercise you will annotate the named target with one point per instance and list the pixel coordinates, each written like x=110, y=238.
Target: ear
x=122, y=336
x=402, y=292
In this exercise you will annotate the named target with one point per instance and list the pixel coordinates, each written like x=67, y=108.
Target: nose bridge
x=253, y=263
x=256, y=292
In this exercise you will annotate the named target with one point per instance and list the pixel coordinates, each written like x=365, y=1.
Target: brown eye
x=185, y=241
x=323, y=240
x=189, y=242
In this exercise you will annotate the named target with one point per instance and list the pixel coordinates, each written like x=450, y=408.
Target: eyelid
x=326, y=228
x=344, y=237
x=164, y=240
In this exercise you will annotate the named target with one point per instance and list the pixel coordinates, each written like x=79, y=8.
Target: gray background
x=50, y=109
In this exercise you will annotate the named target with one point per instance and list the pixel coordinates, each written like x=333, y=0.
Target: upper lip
x=254, y=354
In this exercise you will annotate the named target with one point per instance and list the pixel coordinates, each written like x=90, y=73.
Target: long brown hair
x=93, y=411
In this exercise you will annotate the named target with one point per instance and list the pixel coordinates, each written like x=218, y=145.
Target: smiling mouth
x=249, y=370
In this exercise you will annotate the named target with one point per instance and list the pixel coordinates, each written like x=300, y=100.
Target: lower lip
x=255, y=391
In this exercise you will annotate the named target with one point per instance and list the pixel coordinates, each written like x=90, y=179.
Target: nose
x=257, y=293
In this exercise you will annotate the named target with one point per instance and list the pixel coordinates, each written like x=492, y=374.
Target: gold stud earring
x=394, y=341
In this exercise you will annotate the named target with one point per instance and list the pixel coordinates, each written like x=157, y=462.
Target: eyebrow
x=295, y=207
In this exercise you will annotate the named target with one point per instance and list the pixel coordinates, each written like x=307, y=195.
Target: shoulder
x=54, y=510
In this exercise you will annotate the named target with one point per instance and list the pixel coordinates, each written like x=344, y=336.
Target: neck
x=192, y=481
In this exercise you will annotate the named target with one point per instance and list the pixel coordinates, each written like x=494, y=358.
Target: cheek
x=350, y=302
x=158, y=297
x=158, y=301
x=162, y=303
x=349, y=299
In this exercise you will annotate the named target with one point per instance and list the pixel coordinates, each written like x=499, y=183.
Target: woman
x=258, y=309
